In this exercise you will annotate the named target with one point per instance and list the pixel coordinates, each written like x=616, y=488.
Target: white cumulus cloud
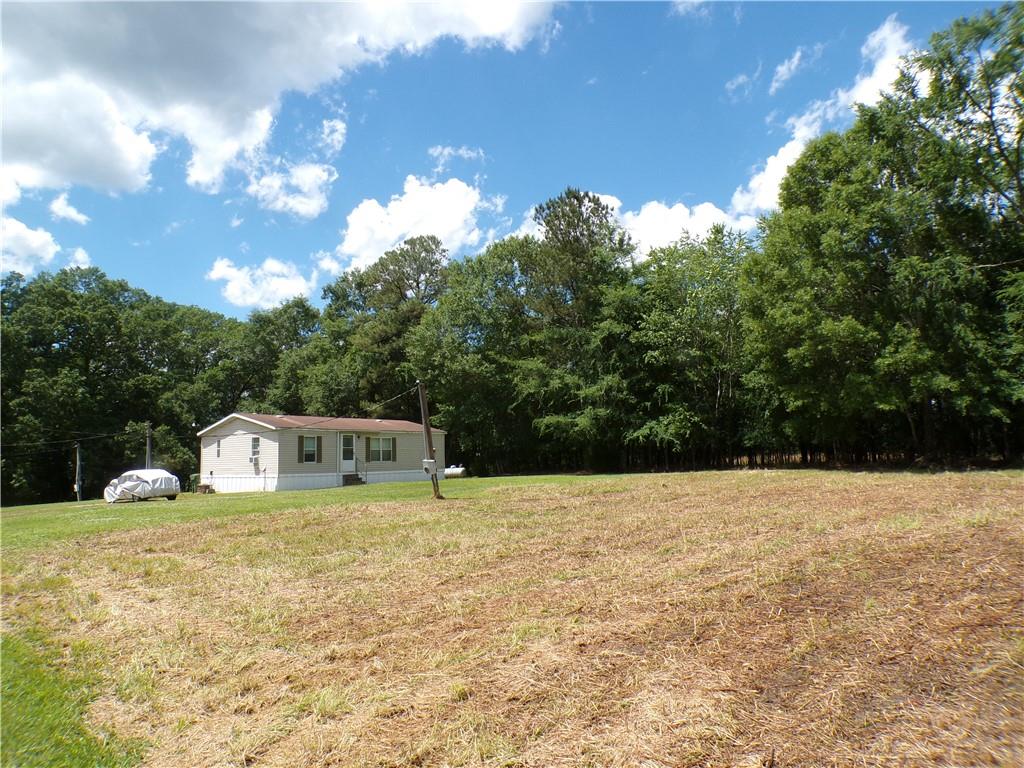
x=657, y=224
x=301, y=190
x=448, y=210
x=884, y=49
x=86, y=84
x=328, y=263
x=761, y=192
x=881, y=53
x=216, y=145
x=60, y=208
x=24, y=250
x=68, y=130
x=265, y=286
x=79, y=258
x=9, y=191
x=529, y=226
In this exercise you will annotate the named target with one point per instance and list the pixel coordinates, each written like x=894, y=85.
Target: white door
x=348, y=453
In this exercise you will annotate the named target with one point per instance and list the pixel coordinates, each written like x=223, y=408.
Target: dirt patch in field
x=705, y=619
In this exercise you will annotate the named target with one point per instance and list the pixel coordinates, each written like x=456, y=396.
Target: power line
x=35, y=453
x=379, y=405
x=58, y=442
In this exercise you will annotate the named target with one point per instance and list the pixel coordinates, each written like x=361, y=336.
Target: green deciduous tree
x=689, y=340
x=369, y=317
x=467, y=350
x=567, y=376
x=874, y=310
x=878, y=314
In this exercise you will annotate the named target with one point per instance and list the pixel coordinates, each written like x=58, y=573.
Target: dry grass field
x=708, y=619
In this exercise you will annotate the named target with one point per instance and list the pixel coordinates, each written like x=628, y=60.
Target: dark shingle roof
x=336, y=422
x=281, y=421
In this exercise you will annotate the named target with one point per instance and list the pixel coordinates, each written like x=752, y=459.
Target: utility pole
x=428, y=441
x=149, y=445
x=78, y=471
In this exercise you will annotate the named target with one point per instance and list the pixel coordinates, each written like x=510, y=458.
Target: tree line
x=876, y=316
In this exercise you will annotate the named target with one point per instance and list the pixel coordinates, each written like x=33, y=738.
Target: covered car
x=137, y=484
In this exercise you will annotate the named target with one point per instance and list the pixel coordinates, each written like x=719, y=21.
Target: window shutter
x=394, y=449
x=319, y=449
x=367, y=440
x=302, y=444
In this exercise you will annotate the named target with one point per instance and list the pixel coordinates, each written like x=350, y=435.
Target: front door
x=348, y=453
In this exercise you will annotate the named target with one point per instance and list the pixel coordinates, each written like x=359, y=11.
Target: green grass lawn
x=41, y=712
x=46, y=688
x=38, y=524
x=701, y=618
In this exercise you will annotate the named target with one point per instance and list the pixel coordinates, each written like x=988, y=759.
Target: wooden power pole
x=78, y=471
x=149, y=445
x=428, y=441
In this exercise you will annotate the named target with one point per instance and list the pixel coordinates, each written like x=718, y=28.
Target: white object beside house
x=138, y=484
x=263, y=452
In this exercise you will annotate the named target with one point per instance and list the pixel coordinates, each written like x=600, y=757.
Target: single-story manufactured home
x=260, y=452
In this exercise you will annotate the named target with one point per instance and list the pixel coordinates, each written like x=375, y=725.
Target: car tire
x=172, y=498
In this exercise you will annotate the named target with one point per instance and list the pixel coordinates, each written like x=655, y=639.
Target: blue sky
x=233, y=156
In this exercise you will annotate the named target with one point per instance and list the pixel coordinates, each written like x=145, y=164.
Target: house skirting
x=396, y=476
x=240, y=483
x=250, y=483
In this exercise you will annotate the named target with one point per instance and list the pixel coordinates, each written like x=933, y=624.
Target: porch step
x=352, y=479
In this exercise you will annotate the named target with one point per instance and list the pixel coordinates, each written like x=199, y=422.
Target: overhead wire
x=385, y=402
x=56, y=442
x=5, y=455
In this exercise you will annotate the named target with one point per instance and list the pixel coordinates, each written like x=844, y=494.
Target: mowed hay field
x=707, y=619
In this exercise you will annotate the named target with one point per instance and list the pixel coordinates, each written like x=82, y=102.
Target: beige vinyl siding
x=438, y=438
x=235, y=438
x=408, y=451
x=279, y=450
x=288, y=440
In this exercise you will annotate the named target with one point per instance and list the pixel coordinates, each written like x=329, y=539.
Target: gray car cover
x=142, y=484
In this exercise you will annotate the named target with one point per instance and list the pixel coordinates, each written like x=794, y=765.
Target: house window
x=382, y=449
x=311, y=449
x=218, y=449
x=255, y=446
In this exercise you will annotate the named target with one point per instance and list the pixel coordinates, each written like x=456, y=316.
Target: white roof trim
x=216, y=424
